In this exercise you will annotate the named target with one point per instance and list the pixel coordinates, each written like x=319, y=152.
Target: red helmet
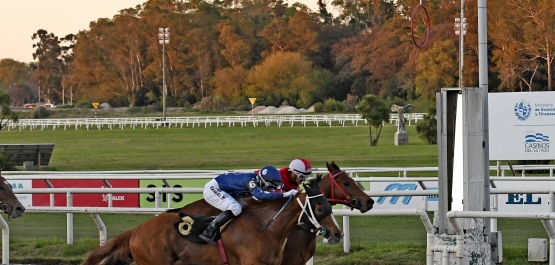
x=301, y=167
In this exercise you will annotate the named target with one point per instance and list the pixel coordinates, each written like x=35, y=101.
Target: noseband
x=348, y=200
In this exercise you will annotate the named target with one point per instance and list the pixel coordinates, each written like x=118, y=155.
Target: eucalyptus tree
x=53, y=57
x=525, y=36
x=364, y=14
x=16, y=80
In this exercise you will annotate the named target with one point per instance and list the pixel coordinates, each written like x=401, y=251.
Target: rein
x=286, y=203
x=348, y=200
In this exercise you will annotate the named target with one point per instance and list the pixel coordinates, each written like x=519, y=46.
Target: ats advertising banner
x=88, y=200
x=520, y=125
x=175, y=200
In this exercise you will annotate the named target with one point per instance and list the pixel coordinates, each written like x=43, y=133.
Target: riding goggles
x=301, y=175
x=271, y=184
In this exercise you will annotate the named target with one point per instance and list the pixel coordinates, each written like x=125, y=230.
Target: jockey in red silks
x=298, y=171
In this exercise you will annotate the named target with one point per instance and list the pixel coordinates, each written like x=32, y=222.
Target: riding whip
x=268, y=224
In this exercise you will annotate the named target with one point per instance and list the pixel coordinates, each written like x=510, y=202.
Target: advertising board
x=404, y=202
x=520, y=125
x=177, y=199
x=87, y=200
x=506, y=202
x=25, y=199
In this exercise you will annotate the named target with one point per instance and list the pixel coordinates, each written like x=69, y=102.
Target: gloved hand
x=290, y=193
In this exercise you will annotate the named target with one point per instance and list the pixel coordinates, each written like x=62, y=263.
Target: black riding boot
x=210, y=232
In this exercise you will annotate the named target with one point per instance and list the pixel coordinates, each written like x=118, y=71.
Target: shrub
x=84, y=104
x=240, y=107
x=135, y=110
x=154, y=108
x=5, y=162
x=332, y=105
x=427, y=128
x=318, y=107
x=40, y=113
x=212, y=104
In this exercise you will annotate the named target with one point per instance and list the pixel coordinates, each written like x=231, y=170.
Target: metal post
x=164, y=38
x=461, y=45
x=164, y=78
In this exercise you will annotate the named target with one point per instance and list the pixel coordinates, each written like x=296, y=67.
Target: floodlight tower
x=460, y=30
x=164, y=38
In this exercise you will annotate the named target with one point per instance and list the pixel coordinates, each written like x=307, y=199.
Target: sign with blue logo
x=516, y=202
x=520, y=125
x=404, y=202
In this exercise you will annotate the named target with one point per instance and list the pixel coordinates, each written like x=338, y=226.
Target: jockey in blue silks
x=219, y=192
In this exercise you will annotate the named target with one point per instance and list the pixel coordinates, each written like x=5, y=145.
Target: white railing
x=200, y=121
x=207, y=174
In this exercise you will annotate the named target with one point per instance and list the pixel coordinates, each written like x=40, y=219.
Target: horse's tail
x=115, y=252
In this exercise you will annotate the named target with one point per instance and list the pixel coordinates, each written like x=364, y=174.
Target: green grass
x=40, y=238
x=223, y=148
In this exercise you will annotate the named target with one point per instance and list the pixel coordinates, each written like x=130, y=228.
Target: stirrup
x=209, y=240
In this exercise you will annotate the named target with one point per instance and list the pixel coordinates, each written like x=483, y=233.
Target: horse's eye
x=346, y=183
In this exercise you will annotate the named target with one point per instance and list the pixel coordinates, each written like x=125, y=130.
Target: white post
x=5, y=241
x=346, y=233
x=69, y=197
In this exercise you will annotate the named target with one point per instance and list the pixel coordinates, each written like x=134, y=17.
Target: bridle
x=314, y=221
x=6, y=208
x=333, y=201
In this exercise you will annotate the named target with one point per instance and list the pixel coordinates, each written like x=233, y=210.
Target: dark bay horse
x=338, y=188
x=158, y=242
x=8, y=201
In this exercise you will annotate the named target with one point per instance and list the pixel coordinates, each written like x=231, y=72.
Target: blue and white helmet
x=270, y=177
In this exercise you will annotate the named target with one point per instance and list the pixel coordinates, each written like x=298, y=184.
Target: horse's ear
x=319, y=177
x=332, y=165
x=329, y=166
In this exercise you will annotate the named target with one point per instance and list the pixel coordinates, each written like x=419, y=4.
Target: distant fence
x=202, y=121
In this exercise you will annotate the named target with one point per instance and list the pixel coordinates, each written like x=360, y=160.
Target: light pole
x=460, y=30
x=164, y=38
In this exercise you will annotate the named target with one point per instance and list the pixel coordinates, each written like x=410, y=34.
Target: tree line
x=229, y=51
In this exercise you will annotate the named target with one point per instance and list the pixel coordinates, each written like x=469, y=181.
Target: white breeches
x=220, y=199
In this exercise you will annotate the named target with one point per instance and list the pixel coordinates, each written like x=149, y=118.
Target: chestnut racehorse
x=8, y=201
x=338, y=187
x=245, y=239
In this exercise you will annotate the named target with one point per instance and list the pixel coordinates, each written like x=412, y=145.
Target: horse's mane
x=251, y=203
x=313, y=183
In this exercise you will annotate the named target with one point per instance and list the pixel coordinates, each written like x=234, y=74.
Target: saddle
x=191, y=226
